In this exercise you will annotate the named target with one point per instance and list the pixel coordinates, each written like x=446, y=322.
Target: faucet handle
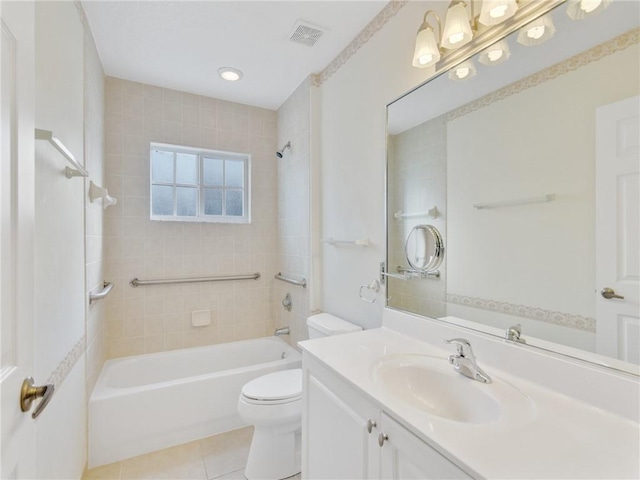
x=461, y=344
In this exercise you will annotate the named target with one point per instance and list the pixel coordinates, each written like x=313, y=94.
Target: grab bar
x=106, y=289
x=292, y=281
x=77, y=170
x=136, y=282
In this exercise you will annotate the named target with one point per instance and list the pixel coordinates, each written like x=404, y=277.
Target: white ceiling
x=181, y=44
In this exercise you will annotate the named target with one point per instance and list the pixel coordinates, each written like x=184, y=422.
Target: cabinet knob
x=371, y=424
x=381, y=438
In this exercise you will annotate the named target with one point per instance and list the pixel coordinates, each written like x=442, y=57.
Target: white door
x=618, y=230
x=16, y=234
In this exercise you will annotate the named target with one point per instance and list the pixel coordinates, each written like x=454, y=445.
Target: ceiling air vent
x=306, y=33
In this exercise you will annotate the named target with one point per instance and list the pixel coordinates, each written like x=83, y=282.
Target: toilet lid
x=275, y=386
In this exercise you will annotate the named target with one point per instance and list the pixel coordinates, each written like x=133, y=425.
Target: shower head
x=281, y=151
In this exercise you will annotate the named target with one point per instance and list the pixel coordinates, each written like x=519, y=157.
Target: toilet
x=272, y=403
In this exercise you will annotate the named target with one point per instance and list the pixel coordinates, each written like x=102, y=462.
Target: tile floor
x=219, y=457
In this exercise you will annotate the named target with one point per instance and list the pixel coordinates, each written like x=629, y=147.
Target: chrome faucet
x=464, y=362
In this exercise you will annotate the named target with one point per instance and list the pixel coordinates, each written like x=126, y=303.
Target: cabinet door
x=405, y=456
x=338, y=444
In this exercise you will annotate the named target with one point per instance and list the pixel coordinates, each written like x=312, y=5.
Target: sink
x=431, y=385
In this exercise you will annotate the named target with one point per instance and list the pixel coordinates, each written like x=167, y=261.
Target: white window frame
x=201, y=154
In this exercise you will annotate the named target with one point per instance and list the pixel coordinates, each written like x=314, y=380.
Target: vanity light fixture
x=497, y=11
x=495, y=54
x=537, y=32
x=464, y=71
x=579, y=9
x=229, y=73
x=427, y=52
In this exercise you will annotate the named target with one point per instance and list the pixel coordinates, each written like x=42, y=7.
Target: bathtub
x=145, y=403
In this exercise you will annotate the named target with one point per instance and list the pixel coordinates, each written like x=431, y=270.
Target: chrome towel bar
x=302, y=282
x=77, y=170
x=549, y=197
x=106, y=289
x=136, y=282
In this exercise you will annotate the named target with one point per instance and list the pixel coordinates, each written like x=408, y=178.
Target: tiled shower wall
x=158, y=318
x=418, y=176
x=294, y=210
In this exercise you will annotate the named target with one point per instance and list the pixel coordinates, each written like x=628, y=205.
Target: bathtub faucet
x=282, y=331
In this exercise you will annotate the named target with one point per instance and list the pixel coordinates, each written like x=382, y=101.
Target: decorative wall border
x=580, y=60
x=586, y=324
x=386, y=14
x=58, y=376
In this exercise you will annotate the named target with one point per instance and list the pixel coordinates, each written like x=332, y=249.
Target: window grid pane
x=198, y=185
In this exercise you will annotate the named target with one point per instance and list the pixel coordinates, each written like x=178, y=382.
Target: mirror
x=529, y=169
x=424, y=249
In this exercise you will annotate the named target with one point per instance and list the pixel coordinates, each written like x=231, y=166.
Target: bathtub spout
x=282, y=331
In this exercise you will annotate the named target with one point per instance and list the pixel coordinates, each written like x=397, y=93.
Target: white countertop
x=560, y=437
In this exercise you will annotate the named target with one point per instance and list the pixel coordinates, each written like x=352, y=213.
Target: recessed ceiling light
x=230, y=74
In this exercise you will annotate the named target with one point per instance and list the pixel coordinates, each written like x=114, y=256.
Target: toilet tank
x=325, y=325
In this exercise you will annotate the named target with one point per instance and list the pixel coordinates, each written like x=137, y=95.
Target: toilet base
x=274, y=454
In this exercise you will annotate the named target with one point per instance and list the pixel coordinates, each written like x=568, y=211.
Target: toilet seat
x=274, y=388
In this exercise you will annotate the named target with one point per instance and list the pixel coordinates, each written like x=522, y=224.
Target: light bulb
x=588, y=6
x=536, y=32
x=462, y=72
x=424, y=59
x=494, y=12
x=456, y=38
x=230, y=74
x=498, y=11
x=495, y=55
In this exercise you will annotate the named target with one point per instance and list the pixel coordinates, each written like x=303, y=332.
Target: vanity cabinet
x=346, y=436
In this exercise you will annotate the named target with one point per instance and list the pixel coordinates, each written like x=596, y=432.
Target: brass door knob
x=609, y=293
x=29, y=392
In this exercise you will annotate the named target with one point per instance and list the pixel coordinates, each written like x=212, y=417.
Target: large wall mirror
x=528, y=168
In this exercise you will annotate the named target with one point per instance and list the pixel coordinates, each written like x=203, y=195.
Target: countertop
x=555, y=436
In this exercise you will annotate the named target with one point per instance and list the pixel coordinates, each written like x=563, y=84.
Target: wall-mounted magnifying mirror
x=424, y=248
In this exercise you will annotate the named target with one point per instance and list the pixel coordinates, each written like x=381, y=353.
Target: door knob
x=381, y=438
x=609, y=293
x=29, y=392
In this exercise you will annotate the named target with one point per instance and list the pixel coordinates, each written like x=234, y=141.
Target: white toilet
x=273, y=405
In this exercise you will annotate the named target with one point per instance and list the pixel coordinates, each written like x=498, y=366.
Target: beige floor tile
x=226, y=453
x=237, y=475
x=105, y=472
x=183, y=462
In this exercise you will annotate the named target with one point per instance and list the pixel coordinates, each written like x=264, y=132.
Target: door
x=618, y=230
x=16, y=234
x=404, y=456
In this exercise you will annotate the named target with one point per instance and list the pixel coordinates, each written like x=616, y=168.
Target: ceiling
x=182, y=44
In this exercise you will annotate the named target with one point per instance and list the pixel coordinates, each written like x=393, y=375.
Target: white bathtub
x=145, y=403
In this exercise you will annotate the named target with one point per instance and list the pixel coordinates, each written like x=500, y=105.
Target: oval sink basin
x=430, y=384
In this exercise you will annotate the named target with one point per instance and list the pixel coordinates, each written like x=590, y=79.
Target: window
x=193, y=185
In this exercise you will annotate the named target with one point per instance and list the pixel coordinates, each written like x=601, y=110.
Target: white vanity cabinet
x=346, y=436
